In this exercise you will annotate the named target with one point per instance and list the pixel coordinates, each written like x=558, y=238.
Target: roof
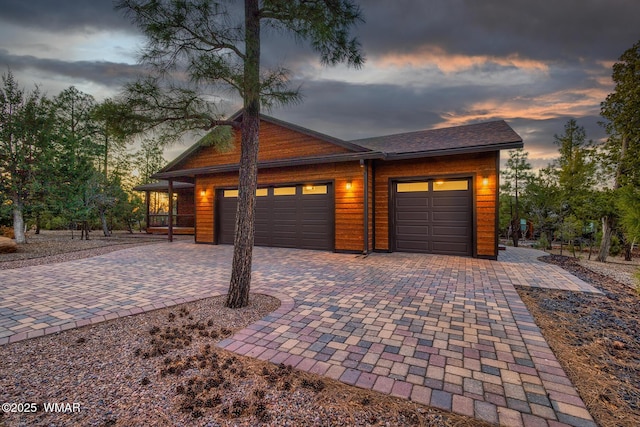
x=490, y=136
x=474, y=138
x=238, y=117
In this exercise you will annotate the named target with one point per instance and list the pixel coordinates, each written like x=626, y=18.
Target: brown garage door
x=297, y=216
x=433, y=217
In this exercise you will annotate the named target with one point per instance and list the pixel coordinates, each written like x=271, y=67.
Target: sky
x=429, y=63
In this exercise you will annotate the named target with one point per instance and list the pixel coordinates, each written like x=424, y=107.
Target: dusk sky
x=431, y=63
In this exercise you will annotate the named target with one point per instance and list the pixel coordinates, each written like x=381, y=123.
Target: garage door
x=297, y=216
x=433, y=217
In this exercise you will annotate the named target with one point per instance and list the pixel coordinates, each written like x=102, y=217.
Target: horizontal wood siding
x=276, y=142
x=349, y=226
x=477, y=165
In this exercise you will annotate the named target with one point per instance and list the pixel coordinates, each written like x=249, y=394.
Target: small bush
x=7, y=232
x=637, y=275
x=616, y=246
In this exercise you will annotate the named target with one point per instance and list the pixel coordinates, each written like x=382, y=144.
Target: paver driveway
x=445, y=331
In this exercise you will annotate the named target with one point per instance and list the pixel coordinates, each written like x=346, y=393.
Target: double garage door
x=297, y=216
x=432, y=216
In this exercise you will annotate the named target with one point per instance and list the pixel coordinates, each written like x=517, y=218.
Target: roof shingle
x=473, y=137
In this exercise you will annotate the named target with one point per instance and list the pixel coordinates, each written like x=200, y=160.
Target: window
x=314, y=189
x=284, y=191
x=412, y=187
x=457, y=185
x=260, y=192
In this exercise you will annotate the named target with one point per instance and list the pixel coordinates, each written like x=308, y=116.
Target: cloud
x=64, y=16
x=107, y=74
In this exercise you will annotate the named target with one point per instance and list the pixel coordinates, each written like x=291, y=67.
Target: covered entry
x=296, y=216
x=432, y=216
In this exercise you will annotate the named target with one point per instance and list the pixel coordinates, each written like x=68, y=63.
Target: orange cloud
x=452, y=63
x=571, y=103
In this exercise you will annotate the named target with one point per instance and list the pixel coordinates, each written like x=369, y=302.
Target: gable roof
x=237, y=117
x=490, y=136
x=474, y=138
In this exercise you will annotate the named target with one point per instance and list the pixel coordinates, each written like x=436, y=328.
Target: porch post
x=148, y=200
x=170, y=224
x=365, y=187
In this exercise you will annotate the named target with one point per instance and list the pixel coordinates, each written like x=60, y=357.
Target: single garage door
x=297, y=216
x=433, y=217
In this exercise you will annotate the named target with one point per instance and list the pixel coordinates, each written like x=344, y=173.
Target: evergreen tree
x=516, y=176
x=24, y=148
x=217, y=45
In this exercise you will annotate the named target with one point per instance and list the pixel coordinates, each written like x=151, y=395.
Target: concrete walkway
x=444, y=331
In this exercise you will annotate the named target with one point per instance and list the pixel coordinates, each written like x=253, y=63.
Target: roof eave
x=188, y=174
x=454, y=151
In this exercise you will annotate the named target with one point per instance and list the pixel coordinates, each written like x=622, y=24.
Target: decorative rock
x=7, y=245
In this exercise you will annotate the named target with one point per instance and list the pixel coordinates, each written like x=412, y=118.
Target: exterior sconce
x=348, y=186
x=485, y=181
x=203, y=193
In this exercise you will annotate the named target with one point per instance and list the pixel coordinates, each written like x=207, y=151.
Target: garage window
x=260, y=192
x=284, y=191
x=412, y=187
x=314, y=189
x=457, y=185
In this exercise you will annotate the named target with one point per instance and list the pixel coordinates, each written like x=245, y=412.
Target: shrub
x=7, y=232
x=637, y=274
x=616, y=247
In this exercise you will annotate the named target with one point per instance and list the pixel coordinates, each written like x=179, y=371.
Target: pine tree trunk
x=515, y=231
x=18, y=222
x=607, y=232
x=105, y=226
x=627, y=250
x=238, y=295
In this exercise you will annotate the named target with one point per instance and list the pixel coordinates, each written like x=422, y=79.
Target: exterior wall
x=276, y=142
x=478, y=166
x=349, y=225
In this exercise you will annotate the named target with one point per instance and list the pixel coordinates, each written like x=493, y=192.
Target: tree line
x=591, y=193
x=63, y=162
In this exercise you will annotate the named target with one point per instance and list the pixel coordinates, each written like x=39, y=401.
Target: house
x=431, y=191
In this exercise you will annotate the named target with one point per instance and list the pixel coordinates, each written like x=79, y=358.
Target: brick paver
x=444, y=331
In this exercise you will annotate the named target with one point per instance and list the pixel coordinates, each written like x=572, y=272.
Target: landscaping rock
x=7, y=245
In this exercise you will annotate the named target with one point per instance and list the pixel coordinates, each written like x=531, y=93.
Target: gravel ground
x=596, y=338
x=58, y=246
x=162, y=368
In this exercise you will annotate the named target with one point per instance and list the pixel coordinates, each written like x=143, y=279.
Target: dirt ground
x=597, y=340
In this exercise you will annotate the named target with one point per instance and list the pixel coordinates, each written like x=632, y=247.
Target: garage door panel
x=450, y=216
x=413, y=216
x=433, y=222
x=412, y=246
x=450, y=248
x=452, y=202
x=440, y=232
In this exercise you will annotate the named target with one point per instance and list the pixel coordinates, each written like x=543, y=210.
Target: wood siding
x=477, y=166
x=349, y=225
x=276, y=142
